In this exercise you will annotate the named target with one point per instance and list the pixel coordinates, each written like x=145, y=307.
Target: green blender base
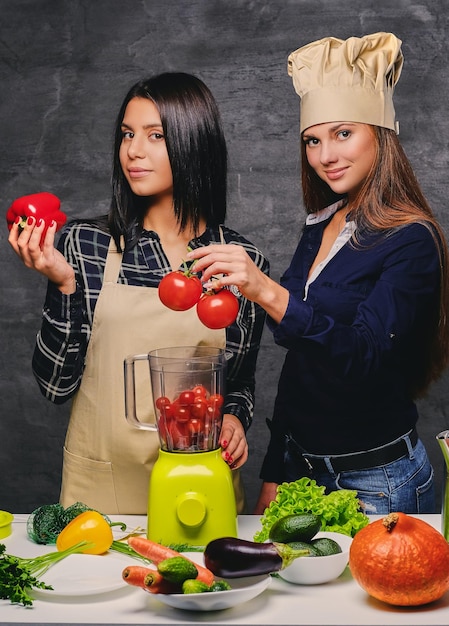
x=191, y=499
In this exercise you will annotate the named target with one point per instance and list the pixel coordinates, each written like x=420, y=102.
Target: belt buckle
x=308, y=464
x=297, y=453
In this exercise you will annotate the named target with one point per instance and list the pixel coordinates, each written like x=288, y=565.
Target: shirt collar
x=324, y=214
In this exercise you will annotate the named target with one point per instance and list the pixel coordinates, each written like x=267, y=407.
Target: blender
x=191, y=496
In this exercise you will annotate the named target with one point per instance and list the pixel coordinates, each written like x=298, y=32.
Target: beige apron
x=107, y=462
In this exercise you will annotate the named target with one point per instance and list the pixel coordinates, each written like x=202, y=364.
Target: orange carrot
x=156, y=583
x=148, y=579
x=135, y=575
x=151, y=550
x=156, y=553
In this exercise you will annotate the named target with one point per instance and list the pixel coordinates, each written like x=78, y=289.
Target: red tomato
x=181, y=412
x=199, y=408
x=180, y=435
x=186, y=397
x=161, y=402
x=218, y=310
x=195, y=426
x=213, y=412
x=216, y=400
x=165, y=407
x=164, y=430
x=180, y=291
x=200, y=390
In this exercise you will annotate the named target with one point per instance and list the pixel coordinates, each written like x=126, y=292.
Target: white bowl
x=242, y=590
x=314, y=570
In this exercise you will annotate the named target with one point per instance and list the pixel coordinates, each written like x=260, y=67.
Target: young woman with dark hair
x=102, y=304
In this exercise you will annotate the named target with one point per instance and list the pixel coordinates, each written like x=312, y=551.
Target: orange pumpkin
x=401, y=560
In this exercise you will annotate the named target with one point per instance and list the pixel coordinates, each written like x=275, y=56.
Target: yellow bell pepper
x=89, y=526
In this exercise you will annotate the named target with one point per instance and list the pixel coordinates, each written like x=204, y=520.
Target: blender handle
x=130, y=392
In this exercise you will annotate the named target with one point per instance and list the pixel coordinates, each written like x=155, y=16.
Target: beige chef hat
x=347, y=81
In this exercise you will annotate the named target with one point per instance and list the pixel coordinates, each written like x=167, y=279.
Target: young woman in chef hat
x=362, y=309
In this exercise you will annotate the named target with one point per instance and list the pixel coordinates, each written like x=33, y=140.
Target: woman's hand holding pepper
x=233, y=441
x=42, y=256
x=233, y=266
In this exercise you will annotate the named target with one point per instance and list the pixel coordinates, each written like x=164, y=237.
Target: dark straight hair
x=196, y=149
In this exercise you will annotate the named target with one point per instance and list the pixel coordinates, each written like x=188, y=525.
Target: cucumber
x=326, y=546
x=177, y=569
x=220, y=585
x=191, y=585
x=295, y=527
x=302, y=545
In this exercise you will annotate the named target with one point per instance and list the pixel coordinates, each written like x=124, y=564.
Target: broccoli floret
x=76, y=509
x=45, y=523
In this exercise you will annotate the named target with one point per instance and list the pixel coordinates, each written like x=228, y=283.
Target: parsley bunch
x=19, y=575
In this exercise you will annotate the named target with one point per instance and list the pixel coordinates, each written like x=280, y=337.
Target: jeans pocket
x=372, y=489
x=425, y=495
x=412, y=482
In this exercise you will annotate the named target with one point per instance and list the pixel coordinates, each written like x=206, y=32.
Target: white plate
x=242, y=590
x=84, y=575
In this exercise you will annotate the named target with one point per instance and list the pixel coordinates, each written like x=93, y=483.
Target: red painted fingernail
x=53, y=223
x=224, y=444
x=30, y=221
x=17, y=220
x=40, y=221
x=230, y=460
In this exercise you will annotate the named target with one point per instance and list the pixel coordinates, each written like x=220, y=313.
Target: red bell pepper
x=38, y=205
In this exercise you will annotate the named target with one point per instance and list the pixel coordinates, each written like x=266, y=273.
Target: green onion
x=19, y=575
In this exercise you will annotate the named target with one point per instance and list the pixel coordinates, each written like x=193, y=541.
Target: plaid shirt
x=61, y=345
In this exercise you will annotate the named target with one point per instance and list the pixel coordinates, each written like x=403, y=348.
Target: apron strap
x=113, y=262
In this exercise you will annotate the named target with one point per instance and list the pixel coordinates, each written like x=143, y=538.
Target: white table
x=339, y=602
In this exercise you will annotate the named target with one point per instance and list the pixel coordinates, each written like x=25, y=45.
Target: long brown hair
x=391, y=197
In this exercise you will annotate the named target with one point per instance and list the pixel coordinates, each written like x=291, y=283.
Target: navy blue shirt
x=356, y=341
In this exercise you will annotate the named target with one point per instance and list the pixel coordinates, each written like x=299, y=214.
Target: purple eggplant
x=229, y=557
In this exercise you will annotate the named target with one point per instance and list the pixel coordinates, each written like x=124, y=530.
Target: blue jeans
x=405, y=485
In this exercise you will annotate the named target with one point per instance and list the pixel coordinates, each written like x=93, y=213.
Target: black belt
x=363, y=460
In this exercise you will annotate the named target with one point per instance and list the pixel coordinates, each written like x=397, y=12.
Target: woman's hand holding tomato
x=235, y=267
x=232, y=264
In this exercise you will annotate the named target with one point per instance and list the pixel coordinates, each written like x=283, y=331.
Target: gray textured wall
x=64, y=68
